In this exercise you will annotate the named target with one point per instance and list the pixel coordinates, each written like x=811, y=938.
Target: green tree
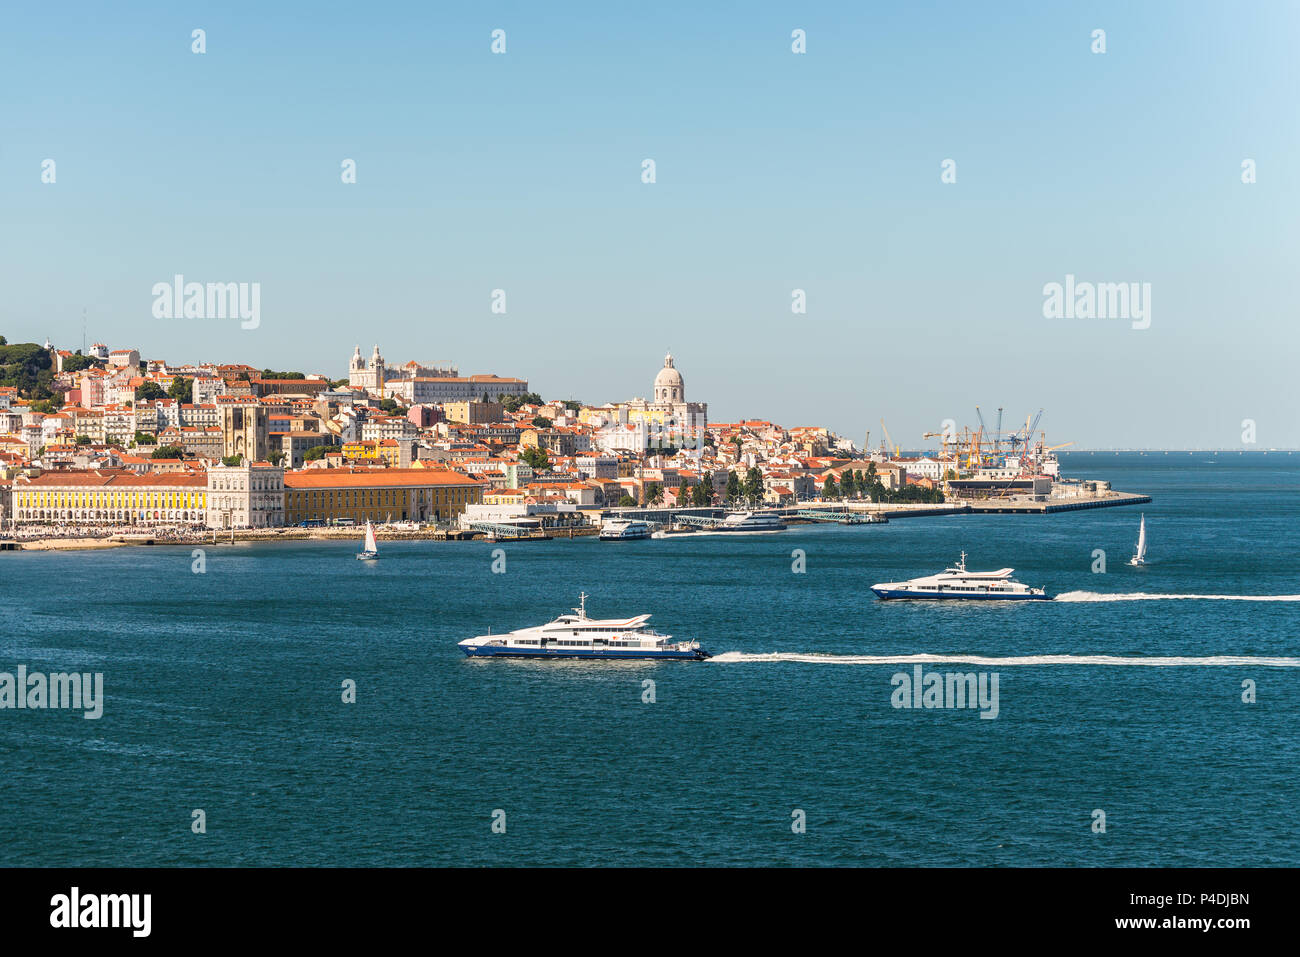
x=513, y=403
x=229, y=461
x=82, y=440
x=535, y=456
x=733, y=488
x=848, y=487
x=699, y=495
x=275, y=457
x=829, y=490
x=654, y=493
x=76, y=362
x=541, y=422
x=149, y=391
x=181, y=389
x=28, y=368
x=683, y=492
x=144, y=438
x=626, y=501
x=753, y=488
x=315, y=453
x=168, y=452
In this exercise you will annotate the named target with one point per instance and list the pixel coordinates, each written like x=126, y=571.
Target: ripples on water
x=223, y=693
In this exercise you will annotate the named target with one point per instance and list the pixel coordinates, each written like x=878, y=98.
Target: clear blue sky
x=775, y=172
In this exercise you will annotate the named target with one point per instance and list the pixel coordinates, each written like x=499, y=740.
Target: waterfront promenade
x=65, y=538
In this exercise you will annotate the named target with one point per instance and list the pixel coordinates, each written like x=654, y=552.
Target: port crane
x=888, y=441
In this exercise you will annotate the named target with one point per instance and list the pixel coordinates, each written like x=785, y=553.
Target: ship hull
x=889, y=594
x=485, y=651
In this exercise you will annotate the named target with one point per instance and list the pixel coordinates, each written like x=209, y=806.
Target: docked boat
x=623, y=529
x=577, y=636
x=1140, y=553
x=957, y=583
x=750, y=522
x=370, y=551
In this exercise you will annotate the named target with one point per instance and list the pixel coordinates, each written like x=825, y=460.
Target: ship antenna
x=582, y=605
x=962, y=564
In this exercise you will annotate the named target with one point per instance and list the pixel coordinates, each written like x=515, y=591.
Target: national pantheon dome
x=669, y=385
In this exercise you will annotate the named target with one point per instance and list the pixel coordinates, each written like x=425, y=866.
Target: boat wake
x=741, y=657
x=1165, y=596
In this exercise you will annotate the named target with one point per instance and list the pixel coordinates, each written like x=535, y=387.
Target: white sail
x=370, y=538
x=1141, y=553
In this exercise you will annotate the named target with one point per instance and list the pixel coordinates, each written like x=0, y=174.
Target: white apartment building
x=380, y=427
x=633, y=437
x=205, y=389
x=435, y=390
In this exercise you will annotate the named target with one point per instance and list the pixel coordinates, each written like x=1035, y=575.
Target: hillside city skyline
x=906, y=441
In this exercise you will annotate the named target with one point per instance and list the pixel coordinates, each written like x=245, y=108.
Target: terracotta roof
x=374, y=478
x=96, y=478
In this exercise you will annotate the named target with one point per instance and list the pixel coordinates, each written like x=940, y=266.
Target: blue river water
x=224, y=693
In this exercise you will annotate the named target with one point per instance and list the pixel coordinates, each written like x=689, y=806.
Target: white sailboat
x=371, y=551
x=1140, y=556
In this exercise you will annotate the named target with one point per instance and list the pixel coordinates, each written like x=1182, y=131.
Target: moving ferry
x=959, y=584
x=577, y=636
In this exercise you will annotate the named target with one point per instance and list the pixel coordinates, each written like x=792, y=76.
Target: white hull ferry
x=958, y=584
x=623, y=530
x=750, y=522
x=577, y=636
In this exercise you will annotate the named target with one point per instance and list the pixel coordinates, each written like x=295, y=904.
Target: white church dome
x=669, y=385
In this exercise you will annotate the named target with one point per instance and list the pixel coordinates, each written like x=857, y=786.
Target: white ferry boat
x=958, y=584
x=623, y=529
x=750, y=522
x=577, y=636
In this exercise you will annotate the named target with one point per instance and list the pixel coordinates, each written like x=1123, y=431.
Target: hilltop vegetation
x=28, y=367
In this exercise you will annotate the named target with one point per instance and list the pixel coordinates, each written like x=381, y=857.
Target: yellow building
x=361, y=450
x=111, y=496
x=379, y=495
x=504, y=496
x=374, y=450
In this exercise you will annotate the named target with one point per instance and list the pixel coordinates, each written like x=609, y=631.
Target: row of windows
x=300, y=498
x=580, y=643
x=110, y=499
x=96, y=515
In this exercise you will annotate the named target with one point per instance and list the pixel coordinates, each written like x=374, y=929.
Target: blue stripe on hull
x=482, y=652
x=886, y=594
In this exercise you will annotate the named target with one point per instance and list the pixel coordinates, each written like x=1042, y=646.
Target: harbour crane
x=889, y=441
